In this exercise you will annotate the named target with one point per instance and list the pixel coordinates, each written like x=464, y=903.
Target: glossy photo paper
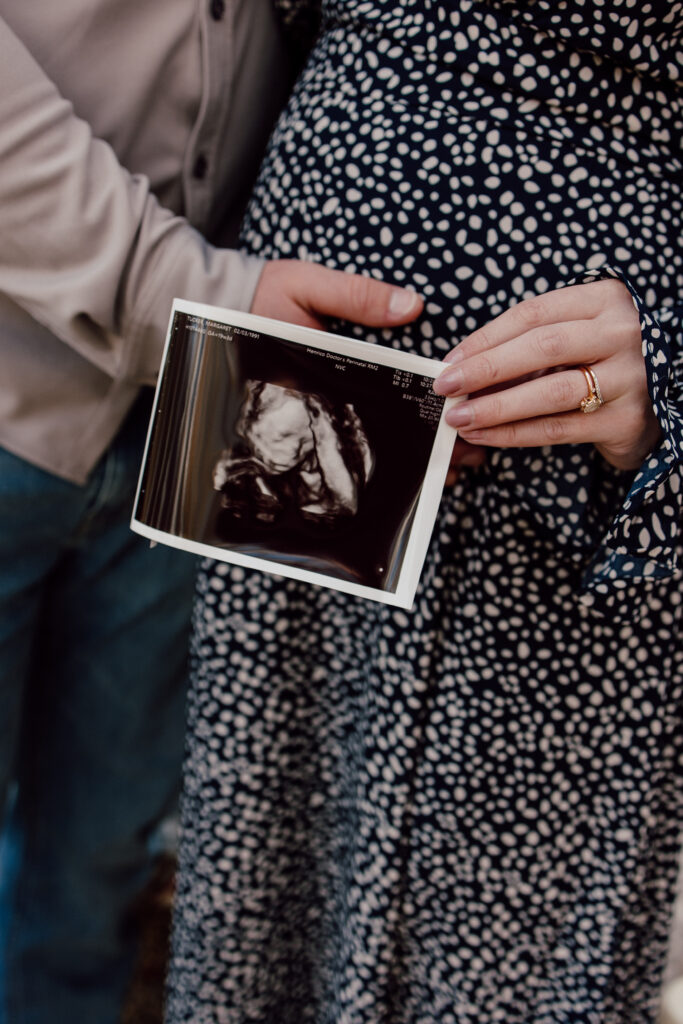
x=294, y=451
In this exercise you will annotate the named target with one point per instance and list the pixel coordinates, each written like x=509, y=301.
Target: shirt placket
x=201, y=171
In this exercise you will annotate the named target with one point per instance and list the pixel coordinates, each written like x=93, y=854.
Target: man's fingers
x=306, y=293
x=353, y=297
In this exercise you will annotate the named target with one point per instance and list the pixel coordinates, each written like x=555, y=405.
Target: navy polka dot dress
x=467, y=813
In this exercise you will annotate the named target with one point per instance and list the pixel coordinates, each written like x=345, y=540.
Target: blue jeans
x=93, y=641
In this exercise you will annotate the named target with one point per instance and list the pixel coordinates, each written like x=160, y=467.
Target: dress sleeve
x=85, y=247
x=643, y=539
x=620, y=530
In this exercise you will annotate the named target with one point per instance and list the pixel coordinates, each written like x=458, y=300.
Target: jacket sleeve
x=85, y=248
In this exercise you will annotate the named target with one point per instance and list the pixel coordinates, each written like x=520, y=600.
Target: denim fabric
x=93, y=640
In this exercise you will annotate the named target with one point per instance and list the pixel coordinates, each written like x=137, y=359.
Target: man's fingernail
x=402, y=302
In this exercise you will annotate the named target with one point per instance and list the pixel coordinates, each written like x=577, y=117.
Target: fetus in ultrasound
x=294, y=453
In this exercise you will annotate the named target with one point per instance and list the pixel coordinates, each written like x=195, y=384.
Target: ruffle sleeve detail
x=621, y=530
x=643, y=540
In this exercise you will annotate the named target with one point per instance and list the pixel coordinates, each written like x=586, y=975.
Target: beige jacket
x=129, y=133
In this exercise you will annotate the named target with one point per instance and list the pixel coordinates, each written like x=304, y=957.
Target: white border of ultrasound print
x=430, y=495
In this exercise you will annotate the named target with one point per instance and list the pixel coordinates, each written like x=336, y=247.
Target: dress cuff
x=643, y=539
x=572, y=493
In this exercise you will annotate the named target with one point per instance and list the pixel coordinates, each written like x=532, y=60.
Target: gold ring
x=593, y=399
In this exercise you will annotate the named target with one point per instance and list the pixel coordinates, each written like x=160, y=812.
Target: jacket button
x=201, y=166
x=217, y=9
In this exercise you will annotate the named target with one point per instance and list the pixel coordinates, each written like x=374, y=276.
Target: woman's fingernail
x=460, y=416
x=455, y=356
x=449, y=382
x=403, y=302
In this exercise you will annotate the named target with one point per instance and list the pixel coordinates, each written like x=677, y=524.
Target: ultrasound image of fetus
x=294, y=453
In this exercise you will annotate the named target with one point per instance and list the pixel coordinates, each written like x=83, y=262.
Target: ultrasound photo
x=294, y=451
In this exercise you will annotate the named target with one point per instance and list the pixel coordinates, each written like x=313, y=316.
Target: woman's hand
x=523, y=378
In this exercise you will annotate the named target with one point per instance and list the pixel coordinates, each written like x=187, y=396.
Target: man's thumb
x=355, y=297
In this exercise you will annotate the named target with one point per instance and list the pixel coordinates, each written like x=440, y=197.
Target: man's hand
x=307, y=293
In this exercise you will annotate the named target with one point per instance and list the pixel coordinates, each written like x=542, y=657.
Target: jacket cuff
x=190, y=269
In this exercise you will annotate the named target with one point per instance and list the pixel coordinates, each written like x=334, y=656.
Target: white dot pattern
x=468, y=813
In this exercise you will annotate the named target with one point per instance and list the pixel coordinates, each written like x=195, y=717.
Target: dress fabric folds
x=467, y=813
